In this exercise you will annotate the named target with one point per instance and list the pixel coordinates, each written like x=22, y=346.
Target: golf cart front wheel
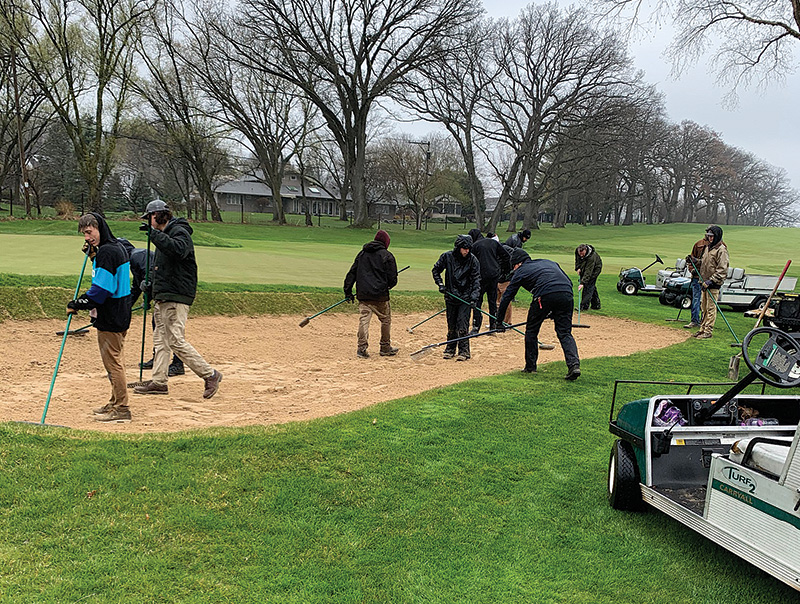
x=623, y=478
x=629, y=289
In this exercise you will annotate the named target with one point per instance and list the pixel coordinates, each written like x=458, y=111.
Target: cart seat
x=769, y=457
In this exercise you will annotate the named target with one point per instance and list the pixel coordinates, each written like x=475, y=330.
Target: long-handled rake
x=580, y=296
x=145, y=306
x=75, y=332
x=413, y=327
x=721, y=314
x=63, y=342
x=483, y=312
x=426, y=349
x=305, y=321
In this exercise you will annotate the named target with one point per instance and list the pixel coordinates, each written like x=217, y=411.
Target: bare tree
x=174, y=97
x=550, y=66
x=449, y=92
x=345, y=55
x=80, y=55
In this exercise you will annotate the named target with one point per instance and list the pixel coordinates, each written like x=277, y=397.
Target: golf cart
x=631, y=280
x=785, y=313
x=726, y=466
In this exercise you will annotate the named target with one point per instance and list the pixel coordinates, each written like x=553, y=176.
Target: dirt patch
x=274, y=371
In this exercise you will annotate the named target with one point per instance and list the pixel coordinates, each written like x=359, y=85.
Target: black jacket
x=493, y=258
x=374, y=273
x=462, y=275
x=139, y=268
x=174, y=274
x=540, y=277
x=514, y=241
x=111, y=282
x=590, y=265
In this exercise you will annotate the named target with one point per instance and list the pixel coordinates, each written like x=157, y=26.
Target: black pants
x=589, y=296
x=457, y=325
x=559, y=308
x=488, y=288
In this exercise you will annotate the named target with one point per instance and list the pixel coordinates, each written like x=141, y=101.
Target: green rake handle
x=483, y=312
x=63, y=341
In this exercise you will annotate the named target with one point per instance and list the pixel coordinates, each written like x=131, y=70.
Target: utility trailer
x=725, y=465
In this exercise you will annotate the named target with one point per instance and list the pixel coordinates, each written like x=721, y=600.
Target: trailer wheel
x=630, y=288
x=623, y=478
x=685, y=303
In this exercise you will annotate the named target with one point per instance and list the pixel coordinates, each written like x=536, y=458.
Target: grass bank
x=487, y=491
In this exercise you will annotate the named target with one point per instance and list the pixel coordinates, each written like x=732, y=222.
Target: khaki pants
x=112, y=352
x=709, y=310
x=501, y=289
x=168, y=339
x=383, y=311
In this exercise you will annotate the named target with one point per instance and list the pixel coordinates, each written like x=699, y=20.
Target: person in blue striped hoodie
x=108, y=302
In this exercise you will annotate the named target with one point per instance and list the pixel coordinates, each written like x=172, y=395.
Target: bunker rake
x=425, y=350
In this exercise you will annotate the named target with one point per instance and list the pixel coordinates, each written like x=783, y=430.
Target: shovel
x=733, y=364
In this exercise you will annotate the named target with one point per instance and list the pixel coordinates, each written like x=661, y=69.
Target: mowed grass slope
x=487, y=491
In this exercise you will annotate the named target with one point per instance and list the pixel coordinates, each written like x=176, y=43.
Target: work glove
x=145, y=227
x=147, y=288
x=349, y=297
x=89, y=250
x=82, y=303
x=708, y=284
x=442, y=288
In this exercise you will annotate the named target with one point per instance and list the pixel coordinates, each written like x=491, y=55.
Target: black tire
x=630, y=288
x=685, y=302
x=619, y=286
x=665, y=298
x=758, y=303
x=624, y=492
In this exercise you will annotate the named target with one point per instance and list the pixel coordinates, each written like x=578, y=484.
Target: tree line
x=114, y=101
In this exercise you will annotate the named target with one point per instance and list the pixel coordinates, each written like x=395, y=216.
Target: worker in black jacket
x=494, y=262
x=174, y=286
x=551, y=289
x=140, y=272
x=462, y=280
x=374, y=273
x=517, y=240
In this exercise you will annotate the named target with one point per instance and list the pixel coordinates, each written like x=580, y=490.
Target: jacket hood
x=373, y=246
x=518, y=256
x=463, y=241
x=129, y=247
x=383, y=237
x=717, y=232
x=475, y=234
x=181, y=221
x=105, y=231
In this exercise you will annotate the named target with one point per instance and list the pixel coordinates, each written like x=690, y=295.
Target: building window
x=234, y=199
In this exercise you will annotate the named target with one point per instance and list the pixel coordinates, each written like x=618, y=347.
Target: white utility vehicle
x=727, y=466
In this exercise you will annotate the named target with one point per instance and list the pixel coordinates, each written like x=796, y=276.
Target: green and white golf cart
x=727, y=465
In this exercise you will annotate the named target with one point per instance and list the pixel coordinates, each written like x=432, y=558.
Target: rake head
x=305, y=321
x=422, y=352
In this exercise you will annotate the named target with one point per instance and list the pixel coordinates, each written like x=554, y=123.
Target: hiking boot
x=114, y=415
x=462, y=356
x=104, y=409
x=389, y=352
x=362, y=354
x=691, y=325
x=212, y=384
x=543, y=346
x=703, y=335
x=176, y=369
x=526, y=370
x=573, y=374
x=474, y=331
x=147, y=365
x=150, y=387
x=448, y=354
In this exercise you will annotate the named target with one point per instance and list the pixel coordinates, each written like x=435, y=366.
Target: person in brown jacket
x=692, y=261
x=713, y=270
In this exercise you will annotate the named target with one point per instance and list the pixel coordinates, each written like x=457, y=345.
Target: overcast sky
x=764, y=122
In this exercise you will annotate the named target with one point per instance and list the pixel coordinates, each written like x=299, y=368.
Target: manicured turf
x=487, y=491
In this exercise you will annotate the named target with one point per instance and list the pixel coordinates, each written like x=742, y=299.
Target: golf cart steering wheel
x=778, y=361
